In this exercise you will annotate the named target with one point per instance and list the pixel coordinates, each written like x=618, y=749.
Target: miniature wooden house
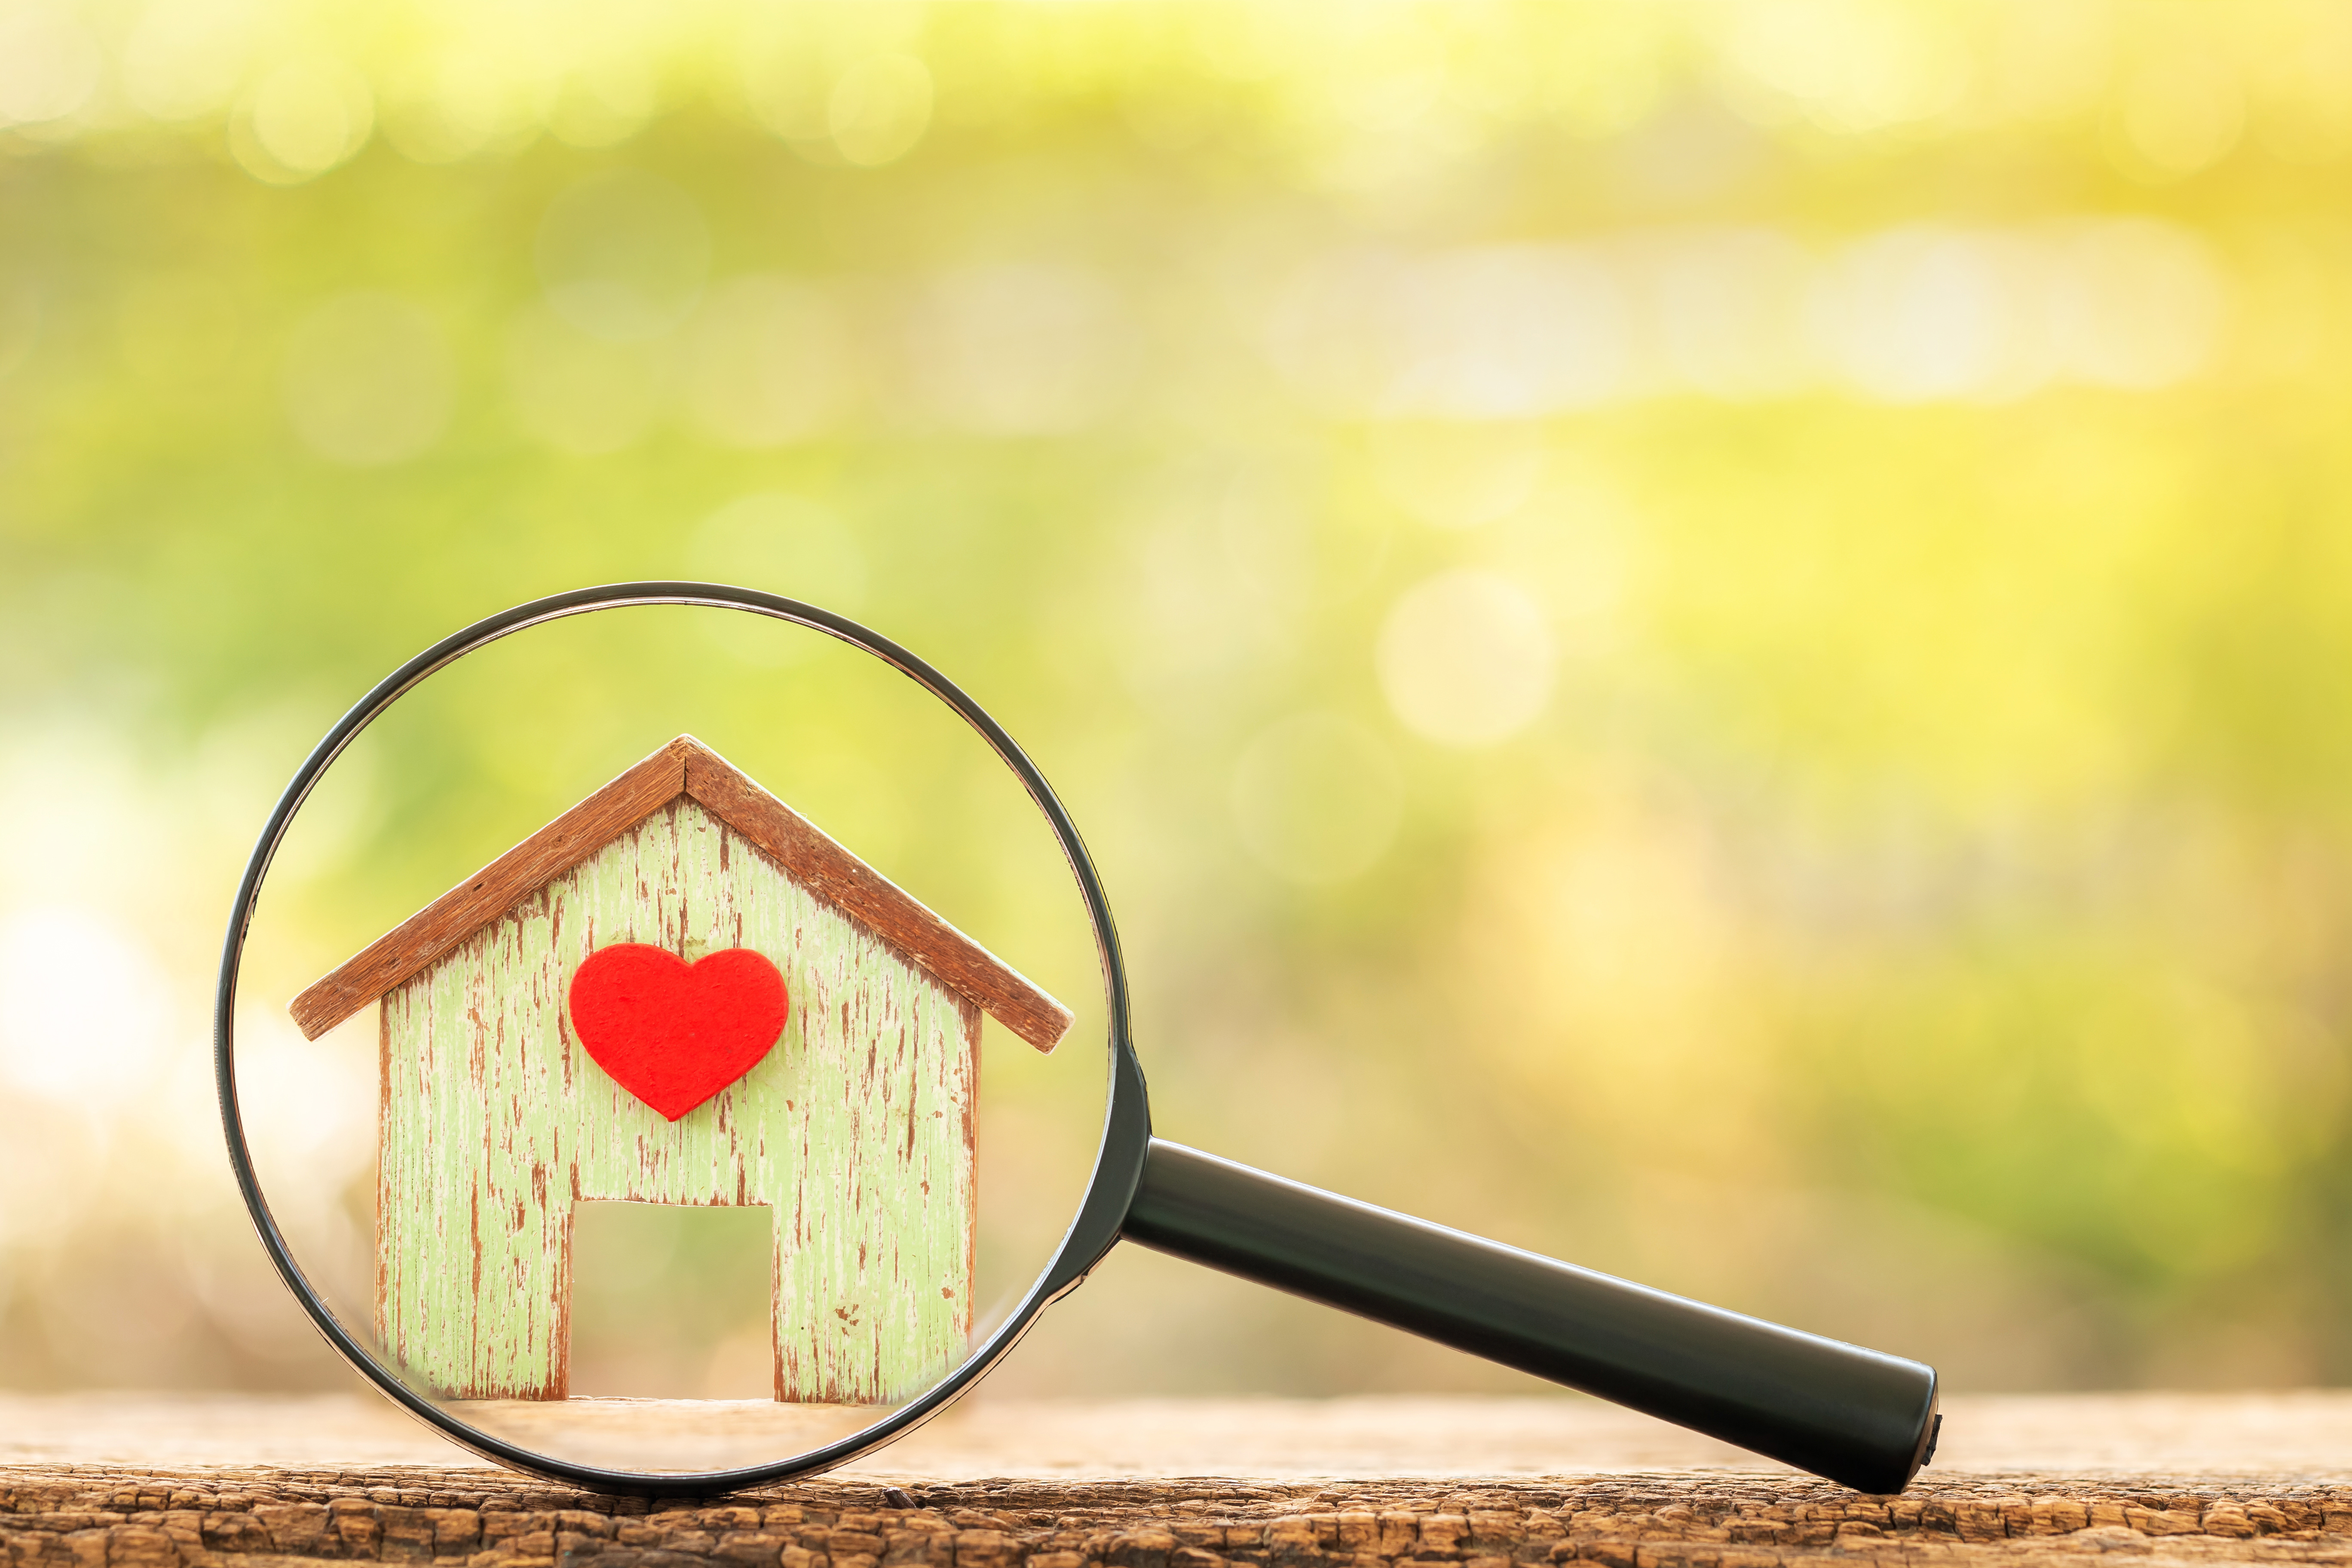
x=855, y=1129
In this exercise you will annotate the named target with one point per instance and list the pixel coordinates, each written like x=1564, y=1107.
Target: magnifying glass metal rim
x=1127, y=1121
x=1858, y=1416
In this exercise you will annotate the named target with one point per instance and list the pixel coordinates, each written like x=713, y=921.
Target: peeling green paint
x=856, y=1131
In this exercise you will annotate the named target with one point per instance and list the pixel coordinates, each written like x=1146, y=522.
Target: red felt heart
x=674, y=1032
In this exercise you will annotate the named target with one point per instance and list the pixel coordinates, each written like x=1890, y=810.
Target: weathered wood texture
x=687, y=767
x=855, y=1130
x=484, y=896
x=103, y=1517
x=832, y=872
x=2065, y=1480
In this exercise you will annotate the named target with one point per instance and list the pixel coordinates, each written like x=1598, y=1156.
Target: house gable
x=687, y=767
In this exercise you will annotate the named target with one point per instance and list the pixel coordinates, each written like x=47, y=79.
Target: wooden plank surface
x=92, y=1482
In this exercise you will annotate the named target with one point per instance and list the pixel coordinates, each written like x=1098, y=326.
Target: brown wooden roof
x=685, y=767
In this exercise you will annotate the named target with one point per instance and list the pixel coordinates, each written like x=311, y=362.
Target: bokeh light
x=1710, y=636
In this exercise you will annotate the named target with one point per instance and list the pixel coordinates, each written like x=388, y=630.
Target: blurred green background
x=1709, y=637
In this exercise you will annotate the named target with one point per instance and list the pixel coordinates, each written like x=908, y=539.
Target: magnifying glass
x=681, y=992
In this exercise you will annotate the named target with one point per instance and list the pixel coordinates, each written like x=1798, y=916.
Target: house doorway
x=670, y=1301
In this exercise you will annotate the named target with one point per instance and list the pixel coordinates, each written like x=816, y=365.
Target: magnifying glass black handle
x=1854, y=1416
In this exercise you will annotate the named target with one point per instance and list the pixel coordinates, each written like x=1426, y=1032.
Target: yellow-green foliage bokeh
x=1710, y=636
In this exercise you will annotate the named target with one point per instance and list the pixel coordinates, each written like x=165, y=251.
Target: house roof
x=685, y=767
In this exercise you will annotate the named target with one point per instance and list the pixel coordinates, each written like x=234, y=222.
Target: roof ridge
x=821, y=864
x=684, y=766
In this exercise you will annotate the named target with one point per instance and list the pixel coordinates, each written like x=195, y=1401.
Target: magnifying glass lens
x=698, y=1052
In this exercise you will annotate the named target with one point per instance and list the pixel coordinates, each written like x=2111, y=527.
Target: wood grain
x=1032, y=1491
x=856, y=1131
x=833, y=873
x=686, y=766
x=448, y=920
x=107, y=1517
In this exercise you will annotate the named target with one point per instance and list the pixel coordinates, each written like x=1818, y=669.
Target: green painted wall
x=856, y=1131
